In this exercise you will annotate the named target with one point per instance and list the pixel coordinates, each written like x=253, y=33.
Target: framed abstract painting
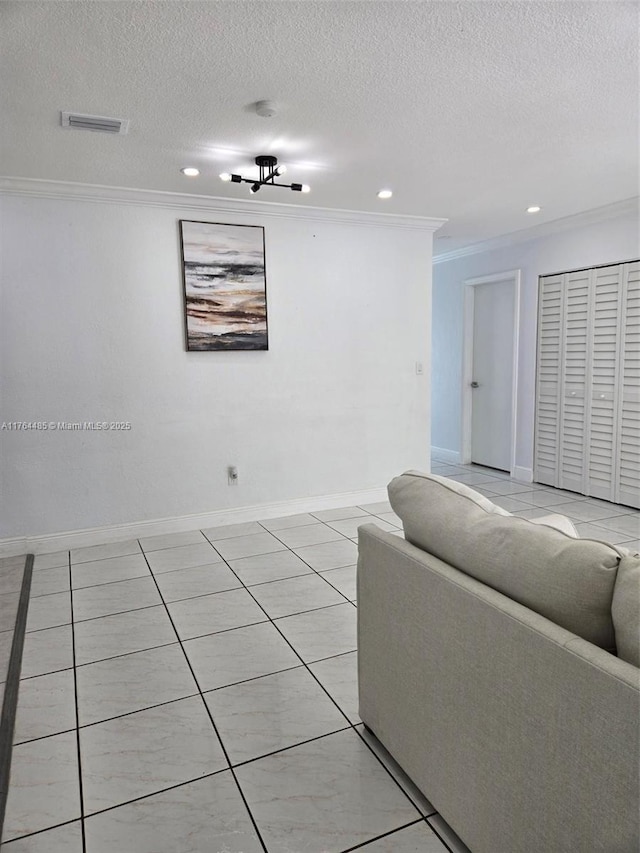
x=225, y=286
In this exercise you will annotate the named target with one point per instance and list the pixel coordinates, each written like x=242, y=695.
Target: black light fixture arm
x=269, y=170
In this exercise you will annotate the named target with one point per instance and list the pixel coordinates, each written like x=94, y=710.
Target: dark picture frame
x=224, y=285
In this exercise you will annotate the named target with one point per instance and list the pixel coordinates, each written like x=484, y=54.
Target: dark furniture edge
x=10, y=701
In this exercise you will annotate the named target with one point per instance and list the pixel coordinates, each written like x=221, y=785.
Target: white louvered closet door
x=628, y=463
x=550, y=326
x=587, y=436
x=606, y=293
x=574, y=378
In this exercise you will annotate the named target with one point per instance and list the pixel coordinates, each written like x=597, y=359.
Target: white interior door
x=492, y=378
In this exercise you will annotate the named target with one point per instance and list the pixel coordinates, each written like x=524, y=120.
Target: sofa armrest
x=524, y=737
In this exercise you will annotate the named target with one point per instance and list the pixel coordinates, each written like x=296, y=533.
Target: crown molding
x=544, y=229
x=187, y=201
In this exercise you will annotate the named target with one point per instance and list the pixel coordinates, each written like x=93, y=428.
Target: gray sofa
x=488, y=669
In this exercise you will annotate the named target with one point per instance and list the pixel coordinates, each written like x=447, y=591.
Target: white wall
x=598, y=243
x=92, y=330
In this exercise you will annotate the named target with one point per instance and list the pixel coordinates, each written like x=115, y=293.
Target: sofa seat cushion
x=625, y=609
x=569, y=581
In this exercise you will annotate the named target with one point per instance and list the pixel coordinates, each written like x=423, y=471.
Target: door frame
x=514, y=276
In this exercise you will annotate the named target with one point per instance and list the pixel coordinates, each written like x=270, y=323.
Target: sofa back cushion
x=568, y=580
x=625, y=609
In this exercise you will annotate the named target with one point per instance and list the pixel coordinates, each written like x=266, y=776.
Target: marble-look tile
x=46, y=706
x=455, y=844
x=231, y=531
x=568, y=496
x=543, y=497
x=121, y=685
x=349, y=527
x=321, y=633
x=123, y=633
x=330, y=794
x=329, y=555
x=339, y=677
x=339, y=514
x=11, y=579
x=271, y=713
x=49, y=611
x=104, y=552
x=587, y=530
x=171, y=540
x=419, y=838
x=534, y=512
x=9, y=610
x=473, y=479
x=6, y=641
x=248, y=546
x=308, y=534
x=620, y=509
x=391, y=518
x=628, y=525
x=47, y=651
x=344, y=580
x=50, y=581
x=410, y=789
x=146, y=752
x=199, y=580
x=378, y=506
x=210, y=614
x=510, y=504
x=44, y=789
x=222, y=659
x=181, y=819
x=584, y=511
x=269, y=567
x=109, y=570
x=62, y=839
x=295, y=595
x=183, y=557
x=288, y=521
x=51, y=561
x=109, y=598
x=505, y=487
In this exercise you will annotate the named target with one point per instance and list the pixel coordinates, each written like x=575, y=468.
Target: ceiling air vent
x=101, y=124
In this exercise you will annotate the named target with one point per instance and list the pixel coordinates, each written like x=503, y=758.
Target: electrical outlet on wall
x=419, y=368
x=232, y=475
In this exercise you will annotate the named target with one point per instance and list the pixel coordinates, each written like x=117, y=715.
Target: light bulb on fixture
x=190, y=172
x=225, y=176
x=385, y=194
x=306, y=188
x=280, y=170
x=254, y=188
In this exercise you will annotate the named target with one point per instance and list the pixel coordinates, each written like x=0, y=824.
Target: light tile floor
x=196, y=692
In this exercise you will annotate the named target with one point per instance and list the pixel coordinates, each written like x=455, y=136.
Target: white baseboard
x=104, y=535
x=523, y=475
x=445, y=455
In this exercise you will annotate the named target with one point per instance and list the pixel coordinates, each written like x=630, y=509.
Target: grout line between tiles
x=350, y=725
x=215, y=728
x=365, y=844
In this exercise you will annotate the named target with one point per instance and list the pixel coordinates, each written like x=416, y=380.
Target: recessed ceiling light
x=385, y=194
x=533, y=209
x=190, y=172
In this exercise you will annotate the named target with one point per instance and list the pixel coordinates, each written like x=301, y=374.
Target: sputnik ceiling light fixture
x=269, y=171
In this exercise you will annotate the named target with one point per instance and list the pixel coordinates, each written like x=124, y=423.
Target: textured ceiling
x=471, y=111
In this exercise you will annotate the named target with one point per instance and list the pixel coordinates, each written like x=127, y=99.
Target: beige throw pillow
x=570, y=581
